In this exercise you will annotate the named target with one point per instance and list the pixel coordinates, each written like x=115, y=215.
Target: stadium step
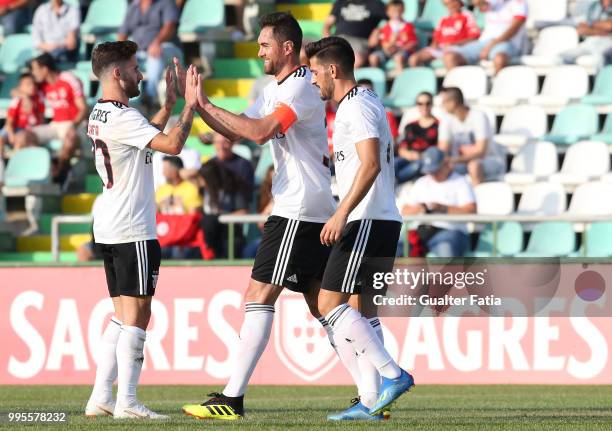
x=237, y=68
x=312, y=30
x=80, y=203
x=246, y=49
x=38, y=257
x=310, y=11
x=93, y=184
x=206, y=151
x=44, y=225
x=228, y=87
x=28, y=244
x=233, y=104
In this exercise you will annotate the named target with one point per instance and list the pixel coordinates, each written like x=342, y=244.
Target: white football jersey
x=120, y=136
x=361, y=115
x=301, y=185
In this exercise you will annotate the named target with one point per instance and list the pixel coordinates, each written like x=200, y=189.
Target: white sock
x=106, y=373
x=346, y=353
x=254, y=336
x=130, y=356
x=349, y=326
x=370, y=379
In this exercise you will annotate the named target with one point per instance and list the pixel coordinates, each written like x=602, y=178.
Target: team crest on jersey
x=300, y=341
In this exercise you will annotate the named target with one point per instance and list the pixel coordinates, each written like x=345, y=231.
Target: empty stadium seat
x=543, y=199
x=15, y=51
x=243, y=151
x=376, y=75
x=550, y=239
x=606, y=133
x=535, y=161
x=9, y=82
x=28, y=167
x=494, y=198
x=596, y=242
x=584, y=161
x=508, y=243
x=511, y=85
x=572, y=124
x=550, y=43
x=546, y=11
x=197, y=20
x=472, y=80
x=408, y=84
x=562, y=85
x=433, y=12
x=520, y=125
x=411, y=10
x=602, y=91
x=312, y=30
x=103, y=16
x=594, y=198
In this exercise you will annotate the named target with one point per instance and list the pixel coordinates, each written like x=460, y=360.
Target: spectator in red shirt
x=14, y=16
x=396, y=39
x=418, y=137
x=458, y=28
x=25, y=111
x=64, y=94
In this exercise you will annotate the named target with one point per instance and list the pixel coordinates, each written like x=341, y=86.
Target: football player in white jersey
x=124, y=221
x=291, y=115
x=364, y=230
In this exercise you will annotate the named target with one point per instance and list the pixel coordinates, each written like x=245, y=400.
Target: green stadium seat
x=312, y=30
x=104, y=16
x=550, y=239
x=243, y=151
x=233, y=104
x=411, y=10
x=28, y=167
x=509, y=240
x=237, y=68
x=196, y=20
x=376, y=75
x=15, y=51
x=264, y=162
x=9, y=82
x=606, y=133
x=572, y=124
x=408, y=84
x=433, y=12
x=195, y=143
x=597, y=241
x=602, y=91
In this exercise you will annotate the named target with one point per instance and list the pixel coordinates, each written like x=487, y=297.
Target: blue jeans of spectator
x=15, y=21
x=62, y=55
x=406, y=170
x=154, y=67
x=449, y=243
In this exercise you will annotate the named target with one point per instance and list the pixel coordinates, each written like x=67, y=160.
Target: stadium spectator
x=503, y=37
x=418, y=136
x=264, y=207
x=152, y=24
x=177, y=196
x=396, y=39
x=14, y=16
x=466, y=136
x=597, y=33
x=441, y=191
x=25, y=111
x=55, y=30
x=223, y=193
x=64, y=94
x=355, y=20
x=241, y=167
x=456, y=29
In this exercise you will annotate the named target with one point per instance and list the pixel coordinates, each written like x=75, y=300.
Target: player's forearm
x=217, y=126
x=237, y=126
x=160, y=119
x=365, y=177
x=180, y=132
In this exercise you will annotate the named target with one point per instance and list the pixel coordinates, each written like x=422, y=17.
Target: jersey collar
x=111, y=101
x=290, y=73
x=353, y=91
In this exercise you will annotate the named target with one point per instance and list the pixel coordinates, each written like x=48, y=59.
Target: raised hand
x=170, y=89
x=192, y=83
x=181, y=76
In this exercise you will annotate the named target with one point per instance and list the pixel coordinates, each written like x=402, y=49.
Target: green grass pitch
x=426, y=407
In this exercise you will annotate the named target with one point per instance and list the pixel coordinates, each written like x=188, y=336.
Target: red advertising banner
x=52, y=318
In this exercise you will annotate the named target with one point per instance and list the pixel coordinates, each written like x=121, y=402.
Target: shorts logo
x=293, y=278
x=154, y=277
x=300, y=341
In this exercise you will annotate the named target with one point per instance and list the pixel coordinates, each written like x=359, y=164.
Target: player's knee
x=262, y=293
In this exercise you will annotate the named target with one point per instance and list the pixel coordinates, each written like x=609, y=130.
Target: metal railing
x=479, y=219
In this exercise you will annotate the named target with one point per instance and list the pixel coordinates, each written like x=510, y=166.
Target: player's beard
x=270, y=67
x=131, y=89
x=327, y=89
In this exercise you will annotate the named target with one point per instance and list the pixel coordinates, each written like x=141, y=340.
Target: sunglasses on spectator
x=428, y=103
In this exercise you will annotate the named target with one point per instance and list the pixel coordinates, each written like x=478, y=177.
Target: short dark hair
x=454, y=93
x=46, y=60
x=174, y=161
x=365, y=81
x=396, y=3
x=284, y=28
x=25, y=75
x=333, y=49
x=110, y=53
x=425, y=93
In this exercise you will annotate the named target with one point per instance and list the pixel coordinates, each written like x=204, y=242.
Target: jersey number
x=389, y=153
x=107, y=169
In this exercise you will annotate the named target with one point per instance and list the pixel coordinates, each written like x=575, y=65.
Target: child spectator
x=396, y=39
x=456, y=29
x=26, y=110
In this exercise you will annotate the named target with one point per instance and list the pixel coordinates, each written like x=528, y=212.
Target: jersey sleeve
x=365, y=121
x=519, y=9
x=256, y=109
x=13, y=108
x=293, y=104
x=131, y=128
x=75, y=84
x=471, y=30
